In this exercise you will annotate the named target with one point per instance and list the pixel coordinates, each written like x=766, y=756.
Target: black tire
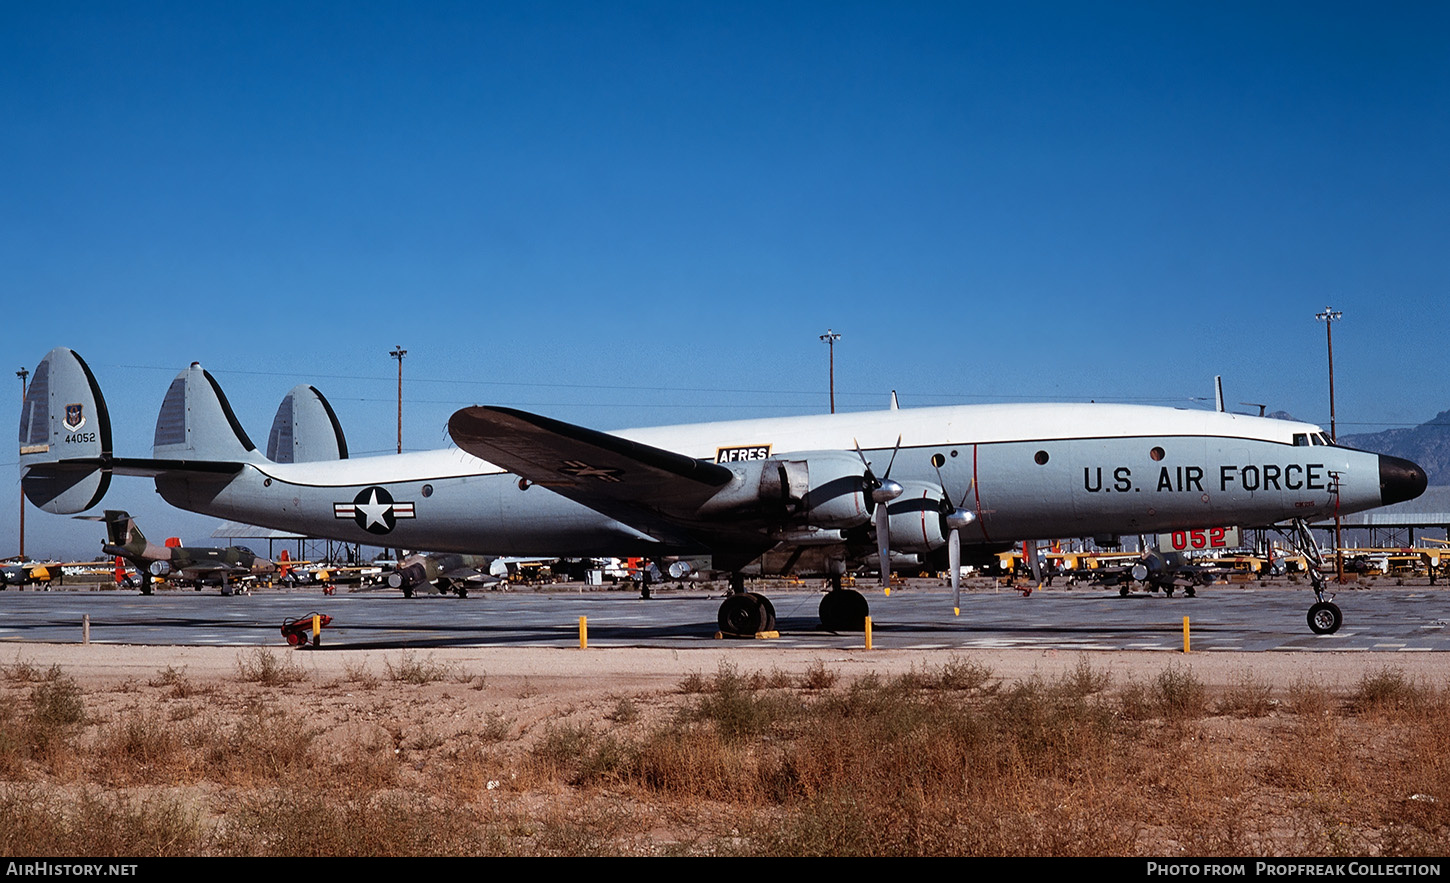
x=767, y=610
x=461, y=591
x=844, y=610
x=1190, y=592
x=407, y=591
x=741, y=615
x=1123, y=591
x=1325, y=618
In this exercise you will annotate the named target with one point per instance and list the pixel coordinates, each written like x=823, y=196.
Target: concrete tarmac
x=919, y=617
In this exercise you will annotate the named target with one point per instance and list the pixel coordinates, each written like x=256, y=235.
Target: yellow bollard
x=868, y=633
x=583, y=633
x=1185, y=634
x=316, y=627
x=956, y=611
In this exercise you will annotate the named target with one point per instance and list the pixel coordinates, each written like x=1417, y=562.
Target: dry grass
x=409, y=669
x=262, y=666
x=939, y=761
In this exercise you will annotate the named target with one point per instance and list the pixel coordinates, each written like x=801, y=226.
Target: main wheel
x=1123, y=591
x=844, y=610
x=741, y=615
x=1325, y=618
x=767, y=612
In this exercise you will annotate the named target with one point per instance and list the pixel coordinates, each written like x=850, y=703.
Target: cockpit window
x=1301, y=440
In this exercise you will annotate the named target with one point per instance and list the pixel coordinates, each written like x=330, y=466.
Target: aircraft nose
x=1400, y=480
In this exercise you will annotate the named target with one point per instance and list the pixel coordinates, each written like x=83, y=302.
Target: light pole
x=1329, y=317
x=22, y=374
x=398, y=353
x=830, y=337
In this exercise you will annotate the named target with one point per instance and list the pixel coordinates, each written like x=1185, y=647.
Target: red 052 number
x=1199, y=539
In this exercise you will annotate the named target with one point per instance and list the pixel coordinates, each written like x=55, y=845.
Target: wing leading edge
x=657, y=491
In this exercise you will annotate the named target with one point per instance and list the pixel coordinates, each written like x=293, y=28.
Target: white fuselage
x=1031, y=471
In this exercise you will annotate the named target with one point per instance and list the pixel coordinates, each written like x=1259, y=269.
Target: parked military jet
x=815, y=494
x=25, y=573
x=443, y=573
x=226, y=566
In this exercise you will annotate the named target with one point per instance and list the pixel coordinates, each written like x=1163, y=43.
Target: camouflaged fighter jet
x=181, y=563
x=443, y=573
x=821, y=494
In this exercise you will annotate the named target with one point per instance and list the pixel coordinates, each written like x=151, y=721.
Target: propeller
x=955, y=518
x=883, y=490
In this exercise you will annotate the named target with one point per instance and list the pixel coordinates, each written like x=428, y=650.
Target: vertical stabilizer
x=196, y=422
x=122, y=532
x=305, y=429
x=65, y=436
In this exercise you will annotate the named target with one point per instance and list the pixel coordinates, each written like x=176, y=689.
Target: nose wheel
x=1325, y=618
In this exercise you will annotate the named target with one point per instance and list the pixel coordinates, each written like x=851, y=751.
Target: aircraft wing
x=649, y=488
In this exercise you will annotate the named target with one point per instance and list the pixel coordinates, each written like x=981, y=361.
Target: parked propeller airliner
x=819, y=494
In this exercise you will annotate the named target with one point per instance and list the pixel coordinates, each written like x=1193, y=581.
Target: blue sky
x=626, y=214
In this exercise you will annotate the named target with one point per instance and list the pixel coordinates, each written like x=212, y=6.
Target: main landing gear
x=843, y=610
x=749, y=614
x=745, y=613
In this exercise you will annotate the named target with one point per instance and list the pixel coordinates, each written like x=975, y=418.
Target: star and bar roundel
x=374, y=510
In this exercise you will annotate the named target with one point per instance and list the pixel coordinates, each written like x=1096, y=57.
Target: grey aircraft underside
x=818, y=494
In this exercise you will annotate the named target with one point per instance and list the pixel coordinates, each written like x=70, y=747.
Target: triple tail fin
x=65, y=436
x=305, y=429
x=196, y=422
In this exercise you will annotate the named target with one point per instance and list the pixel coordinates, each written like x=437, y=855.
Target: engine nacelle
x=916, y=519
x=408, y=575
x=823, y=489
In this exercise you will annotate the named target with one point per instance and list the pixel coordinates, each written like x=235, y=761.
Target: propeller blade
x=883, y=544
x=892, y=461
x=883, y=491
x=954, y=559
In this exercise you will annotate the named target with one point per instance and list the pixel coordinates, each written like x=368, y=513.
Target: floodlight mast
x=830, y=337
x=398, y=353
x=1329, y=317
